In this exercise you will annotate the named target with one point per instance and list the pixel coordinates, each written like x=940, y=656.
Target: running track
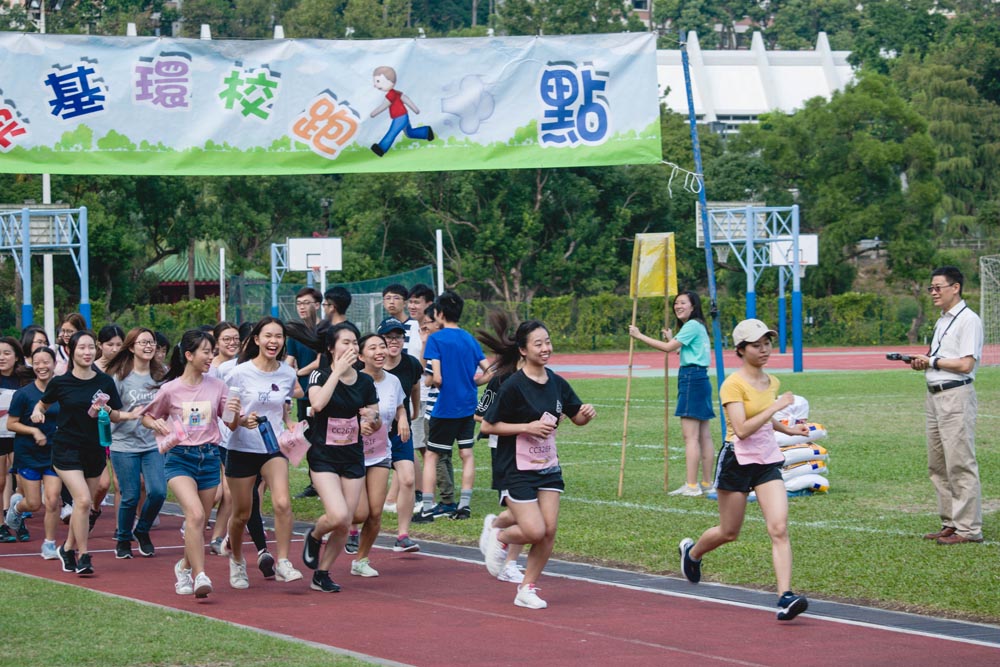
x=440, y=607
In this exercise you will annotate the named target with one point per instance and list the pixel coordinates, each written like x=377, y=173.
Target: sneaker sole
x=123, y=557
x=202, y=591
x=146, y=554
x=278, y=577
x=319, y=588
x=793, y=610
x=518, y=603
x=410, y=549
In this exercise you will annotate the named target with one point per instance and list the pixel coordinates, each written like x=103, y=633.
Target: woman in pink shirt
x=186, y=414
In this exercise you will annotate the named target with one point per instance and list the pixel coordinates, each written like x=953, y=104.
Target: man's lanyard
x=945, y=332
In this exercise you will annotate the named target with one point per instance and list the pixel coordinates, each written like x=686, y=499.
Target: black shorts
x=527, y=493
x=246, y=464
x=6, y=446
x=731, y=475
x=91, y=460
x=347, y=462
x=443, y=432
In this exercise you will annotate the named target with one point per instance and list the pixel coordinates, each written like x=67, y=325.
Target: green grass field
x=860, y=542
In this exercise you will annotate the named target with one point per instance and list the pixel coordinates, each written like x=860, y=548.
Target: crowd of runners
x=215, y=417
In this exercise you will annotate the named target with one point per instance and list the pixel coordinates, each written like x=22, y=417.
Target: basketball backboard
x=305, y=254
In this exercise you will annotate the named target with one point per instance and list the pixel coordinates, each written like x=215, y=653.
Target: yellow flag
x=654, y=266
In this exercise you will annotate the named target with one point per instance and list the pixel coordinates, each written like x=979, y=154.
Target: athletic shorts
x=36, y=474
x=349, y=464
x=418, y=432
x=6, y=446
x=199, y=462
x=443, y=432
x=247, y=464
x=529, y=494
x=402, y=450
x=91, y=460
x=384, y=463
x=731, y=475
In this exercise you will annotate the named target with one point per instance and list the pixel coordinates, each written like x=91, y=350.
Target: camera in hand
x=896, y=356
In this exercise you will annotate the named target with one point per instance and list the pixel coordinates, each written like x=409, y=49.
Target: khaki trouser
x=951, y=459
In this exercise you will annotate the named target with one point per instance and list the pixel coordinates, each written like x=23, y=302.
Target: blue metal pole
x=84, y=267
x=27, y=317
x=796, y=296
x=274, y=280
x=748, y=216
x=720, y=366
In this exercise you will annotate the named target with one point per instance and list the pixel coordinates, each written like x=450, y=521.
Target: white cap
x=750, y=331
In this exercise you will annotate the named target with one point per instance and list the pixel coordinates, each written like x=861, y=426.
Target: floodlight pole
x=720, y=367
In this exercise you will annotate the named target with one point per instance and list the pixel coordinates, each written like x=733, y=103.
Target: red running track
x=426, y=610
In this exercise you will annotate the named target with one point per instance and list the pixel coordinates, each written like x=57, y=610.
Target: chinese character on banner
x=163, y=81
x=576, y=109
x=76, y=91
x=10, y=127
x=327, y=126
x=254, y=89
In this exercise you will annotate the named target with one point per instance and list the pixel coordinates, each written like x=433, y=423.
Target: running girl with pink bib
x=524, y=417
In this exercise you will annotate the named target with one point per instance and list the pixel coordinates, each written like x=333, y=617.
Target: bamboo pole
x=628, y=396
x=666, y=393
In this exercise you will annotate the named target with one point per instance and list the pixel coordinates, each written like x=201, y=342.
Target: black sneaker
x=123, y=550
x=462, y=513
x=83, y=565
x=6, y=535
x=22, y=533
x=422, y=517
x=308, y=492
x=444, y=509
x=689, y=566
x=68, y=558
x=94, y=514
x=310, y=550
x=322, y=582
x=145, y=544
x=265, y=563
x=352, y=544
x=791, y=605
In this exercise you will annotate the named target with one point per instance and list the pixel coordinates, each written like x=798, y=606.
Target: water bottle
x=267, y=435
x=104, y=427
x=228, y=414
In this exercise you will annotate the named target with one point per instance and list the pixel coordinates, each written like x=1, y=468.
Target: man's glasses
x=934, y=289
x=306, y=302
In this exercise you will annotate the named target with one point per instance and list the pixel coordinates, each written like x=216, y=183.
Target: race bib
x=377, y=444
x=535, y=452
x=342, y=432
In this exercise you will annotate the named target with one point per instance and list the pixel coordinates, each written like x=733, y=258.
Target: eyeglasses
x=228, y=340
x=67, y=332
x=328, y=304
x=145, y=343
x=306, y=302
x=934, y=289
x=395, y=338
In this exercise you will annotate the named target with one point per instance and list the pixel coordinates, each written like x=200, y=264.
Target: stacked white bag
x=805, y=466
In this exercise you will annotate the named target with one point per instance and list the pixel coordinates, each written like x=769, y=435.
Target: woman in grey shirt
x=134, y=453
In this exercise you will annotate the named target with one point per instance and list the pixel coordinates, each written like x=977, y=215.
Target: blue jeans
x=128, y=468
x=402, y=124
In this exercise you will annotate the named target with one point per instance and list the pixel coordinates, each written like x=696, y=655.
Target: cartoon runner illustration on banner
x=384, y=78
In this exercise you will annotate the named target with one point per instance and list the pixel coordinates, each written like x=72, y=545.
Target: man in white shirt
x=949, y=368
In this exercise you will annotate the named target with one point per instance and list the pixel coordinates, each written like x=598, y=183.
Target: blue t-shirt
x=459, y=354
x=27, y=453
x=303, y=357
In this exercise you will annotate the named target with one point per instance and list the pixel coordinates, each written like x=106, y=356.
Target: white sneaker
x=238, y=574
x=496, y=553
x=361, y=568
x=389, y=508
x=527, y=596
x=66, y=512
x=685, y=490
x=184, y=585
x=49, y=550
x=484, y=536
x=202, y=585
x=512, y=573
x=286, y=572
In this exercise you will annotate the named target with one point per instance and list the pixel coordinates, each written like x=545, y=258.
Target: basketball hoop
x=802, y=268
x=722, y=253
x=317, y=273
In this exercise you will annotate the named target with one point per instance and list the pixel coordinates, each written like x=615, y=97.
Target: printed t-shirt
x=264, y=393
x=761, y=446
x=27, y=453
x=136, y=391
x=198, y=408
x=524, y=460
x=390, y=397
x=76, y=428
x=459, y=354
x=409, y=372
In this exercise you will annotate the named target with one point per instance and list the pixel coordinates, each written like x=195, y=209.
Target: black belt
x=935, y=388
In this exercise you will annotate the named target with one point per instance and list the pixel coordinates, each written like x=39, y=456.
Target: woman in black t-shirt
x=524, y=418
x=340, y=397
x=77, y=455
